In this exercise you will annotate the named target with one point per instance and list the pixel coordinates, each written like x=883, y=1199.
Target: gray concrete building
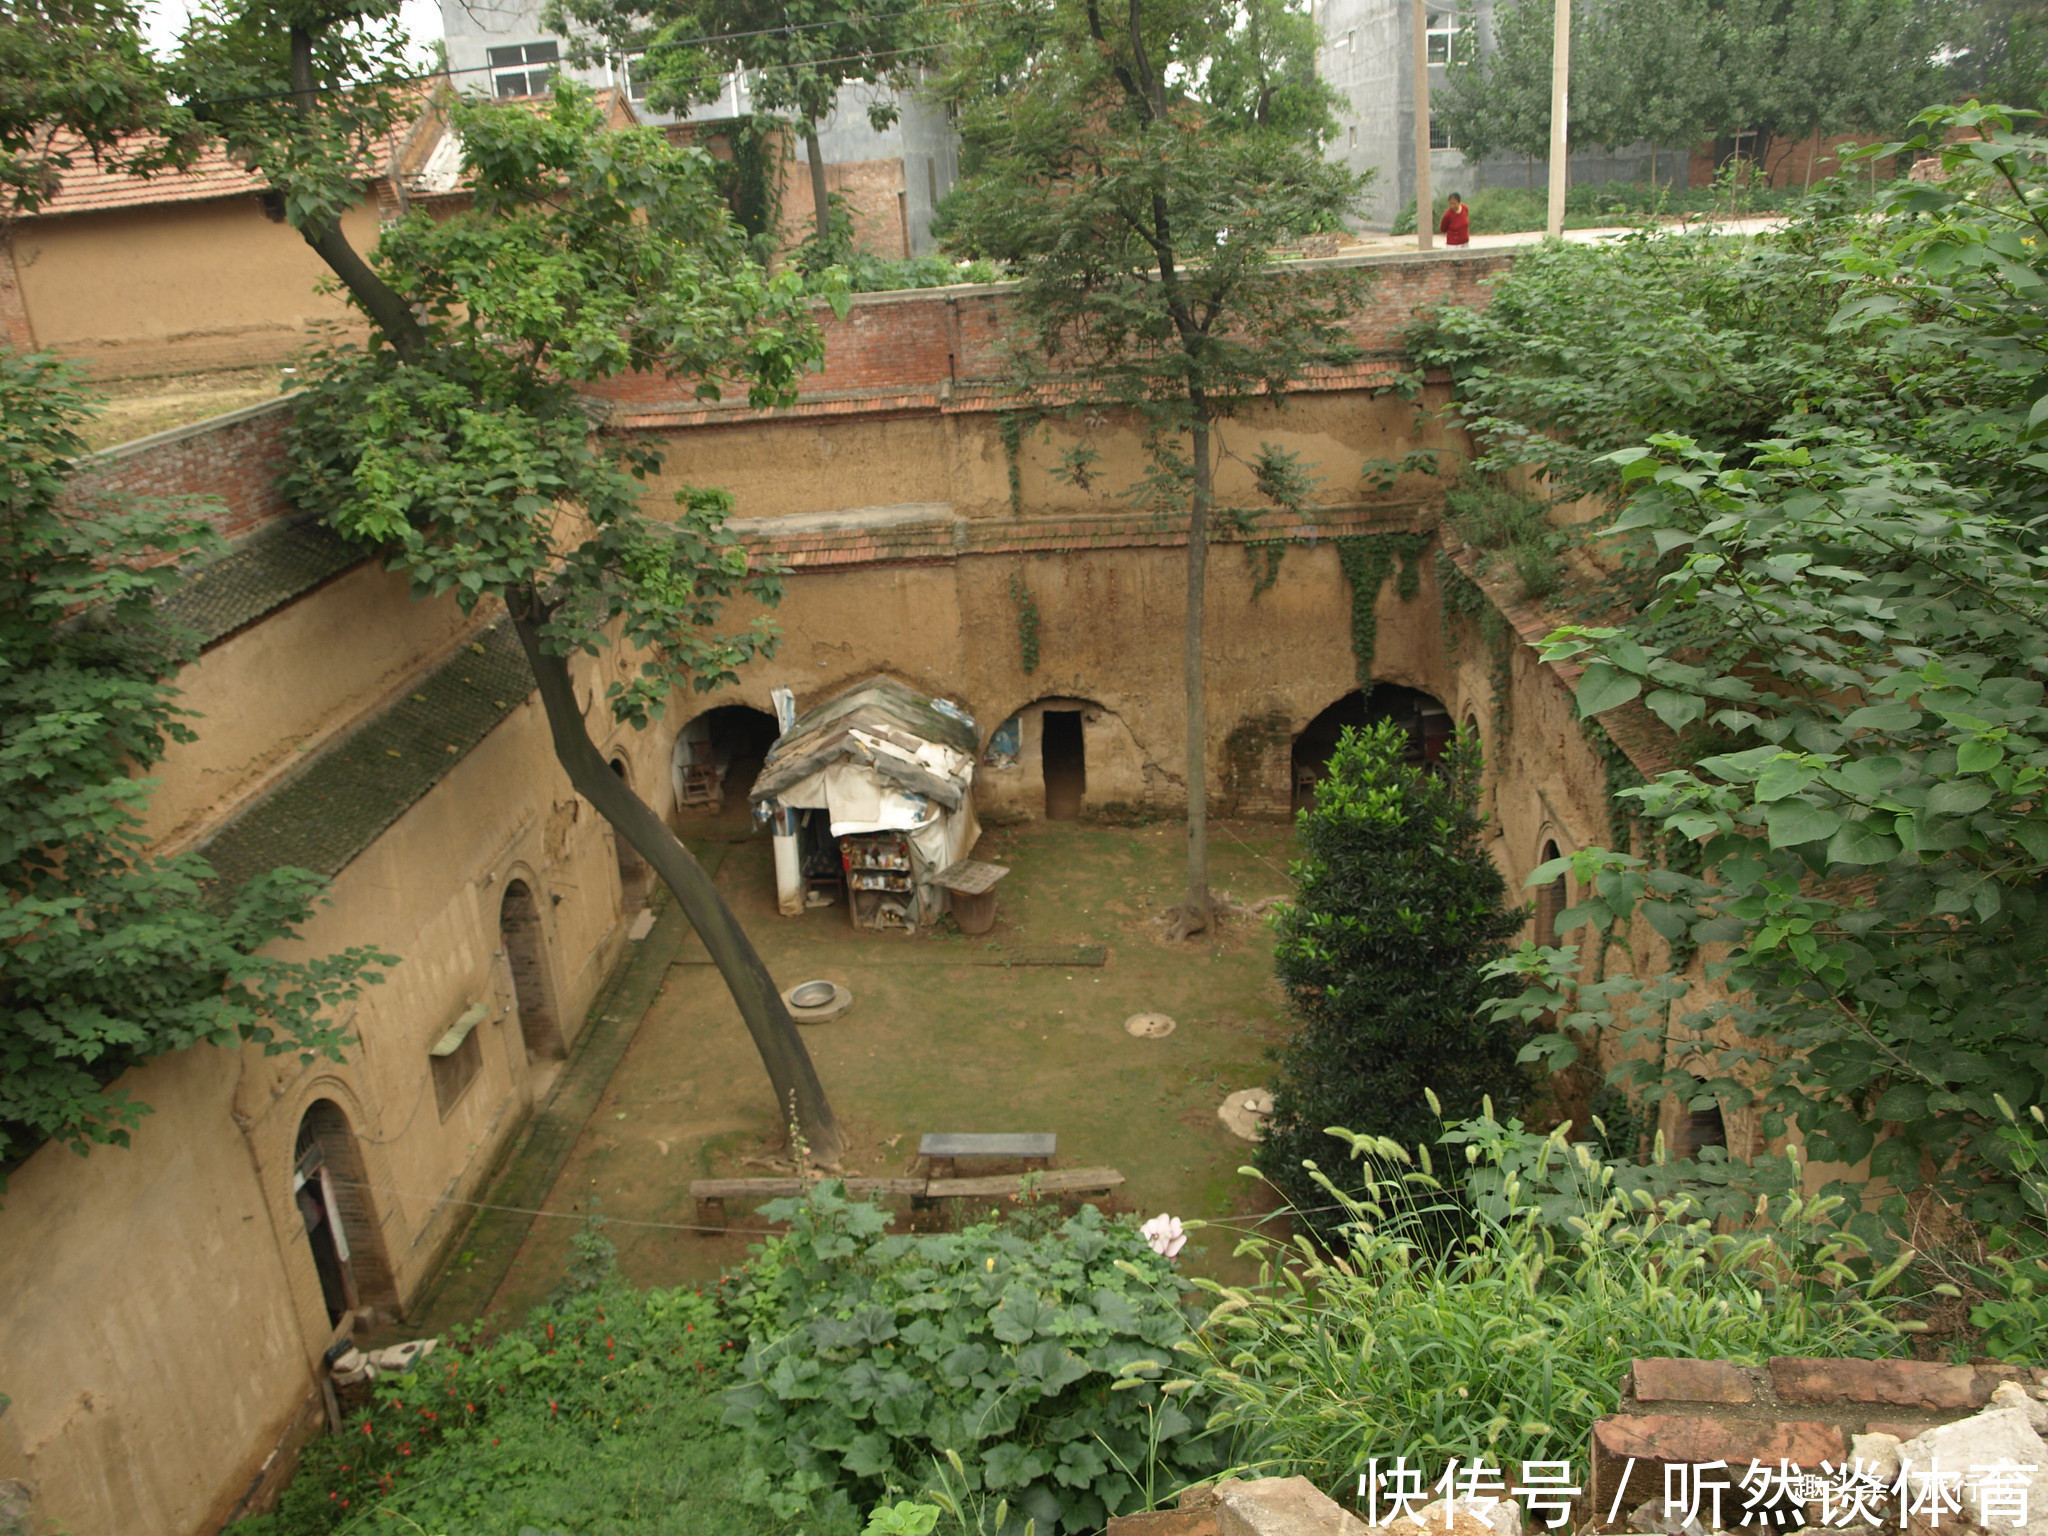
x=1368, y=55
x=500, y=48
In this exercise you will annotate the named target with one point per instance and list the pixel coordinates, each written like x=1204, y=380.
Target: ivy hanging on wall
x=1264, y=557
x=1012, y=424
x=1027, y=623
x=1368, y=559
x=1464, y=599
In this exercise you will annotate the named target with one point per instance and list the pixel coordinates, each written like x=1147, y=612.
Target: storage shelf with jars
x=881, y=891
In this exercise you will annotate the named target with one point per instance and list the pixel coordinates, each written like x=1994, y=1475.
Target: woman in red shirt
x=1457, y=222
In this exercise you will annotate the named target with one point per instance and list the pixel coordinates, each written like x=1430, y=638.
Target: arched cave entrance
x=633, y=874
x=519, y=932
x=334, y=1207
x=1061, y=759
x=1427, y=722
x=719, y=754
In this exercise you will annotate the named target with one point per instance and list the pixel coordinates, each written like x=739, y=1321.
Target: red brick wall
x=947, y=338
x=236, y=464
x=1697, y=1412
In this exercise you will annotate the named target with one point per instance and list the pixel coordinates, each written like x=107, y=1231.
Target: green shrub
x=1381, y=955
x=1510, y=1342
x=598, y=1415
x=1505, y=527
x=1511, y=210
x=1040, y=1359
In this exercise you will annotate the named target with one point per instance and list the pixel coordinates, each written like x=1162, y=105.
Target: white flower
x=1164, y=1233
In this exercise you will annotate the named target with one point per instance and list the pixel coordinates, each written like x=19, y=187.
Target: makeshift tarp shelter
x=892, y=773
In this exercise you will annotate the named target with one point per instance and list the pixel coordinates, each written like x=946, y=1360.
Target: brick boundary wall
x=233, y=460
x=1806, y=1411
x=922, y=342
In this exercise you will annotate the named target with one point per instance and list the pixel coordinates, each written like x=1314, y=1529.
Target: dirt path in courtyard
x=947, y=1033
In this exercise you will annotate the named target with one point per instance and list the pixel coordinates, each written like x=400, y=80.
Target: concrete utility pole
x=1425, y=194
x=1560, y=92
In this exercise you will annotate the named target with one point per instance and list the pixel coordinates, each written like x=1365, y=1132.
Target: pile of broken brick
x=1853, y=1448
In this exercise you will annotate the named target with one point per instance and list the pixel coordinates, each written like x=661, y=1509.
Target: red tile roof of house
x=89, y=187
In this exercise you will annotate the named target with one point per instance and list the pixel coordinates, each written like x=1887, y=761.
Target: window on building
x=457, y=1056
x=523, y=79
x=1354, y=136
x=1439, y=135
x=1441, y=34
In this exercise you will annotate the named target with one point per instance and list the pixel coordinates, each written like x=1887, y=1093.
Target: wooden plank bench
x=710, y=1195
x=1062, y=1181
x=941, y=1149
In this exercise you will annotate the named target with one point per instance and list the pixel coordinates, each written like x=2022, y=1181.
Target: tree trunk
x=821, y=200
x=1195, y=916
x=797, y=1089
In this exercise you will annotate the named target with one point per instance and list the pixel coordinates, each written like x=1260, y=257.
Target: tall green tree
x=110, y=955
x=1142, y=173
x=797, y=56
x=76, y=83
x=1841, y=623
x=1678, y=71
x=1383, y=957
x=460, y=439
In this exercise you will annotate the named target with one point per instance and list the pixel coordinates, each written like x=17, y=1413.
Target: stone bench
x=710, y=1195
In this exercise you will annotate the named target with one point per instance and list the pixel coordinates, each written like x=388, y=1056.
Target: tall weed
x=1500, y=1326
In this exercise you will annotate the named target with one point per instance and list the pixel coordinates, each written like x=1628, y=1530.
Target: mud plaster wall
x=1110, y=637
x=270, y=693
x=781, y=467
x=141, y=290
x=127, y=1415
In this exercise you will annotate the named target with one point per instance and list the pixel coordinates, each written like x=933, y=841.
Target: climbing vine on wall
x=1368, y=559
x=1464, y=599
x=1012, y=424
x=1027, y=623
x=1264, y=557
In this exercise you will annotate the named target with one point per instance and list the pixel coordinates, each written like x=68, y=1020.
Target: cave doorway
x=1063, y=759
x=519, y=932
x=1425, y=719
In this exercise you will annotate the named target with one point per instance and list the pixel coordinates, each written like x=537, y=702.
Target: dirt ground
x=133, y=408
x=946, y=1033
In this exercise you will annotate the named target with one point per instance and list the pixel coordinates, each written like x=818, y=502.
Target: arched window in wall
x=333, y=1200
x=1550, y=899
x=526, y=952
x=633, y=879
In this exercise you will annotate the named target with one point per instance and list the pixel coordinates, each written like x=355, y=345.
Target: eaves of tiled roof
x=333, y=807
x=257, y=575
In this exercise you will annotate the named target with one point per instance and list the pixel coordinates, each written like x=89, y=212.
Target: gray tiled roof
x=258, y=574
x=336, y=805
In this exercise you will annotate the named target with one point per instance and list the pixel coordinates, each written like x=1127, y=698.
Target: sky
x=422, y=20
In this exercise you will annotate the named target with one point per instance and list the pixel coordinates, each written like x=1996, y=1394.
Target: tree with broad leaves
x=460, y=439
x=1142, y=170
x=76, y=82
x=1844, y=631
x=112, y=955
x=798, y=56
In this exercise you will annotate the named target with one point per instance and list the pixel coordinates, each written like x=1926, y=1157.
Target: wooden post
x=1425, y=194
x=1560, y=82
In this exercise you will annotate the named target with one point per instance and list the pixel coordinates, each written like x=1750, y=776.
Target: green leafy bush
x=1504, y=526
x=598, y=1415
x=1511, y=1341
x=1382, y=954
x=1040, y=1358
x=1511, y=210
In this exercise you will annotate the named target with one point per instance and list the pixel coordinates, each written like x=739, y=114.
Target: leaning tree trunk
x=797, y=1089
x=821, y=201
x=1194, y=916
